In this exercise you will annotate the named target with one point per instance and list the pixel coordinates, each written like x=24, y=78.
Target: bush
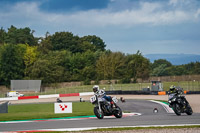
x=125, y=80
x=87, y=82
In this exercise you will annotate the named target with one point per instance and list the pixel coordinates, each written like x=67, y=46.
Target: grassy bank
x=44, y=111
x=191, y=86
x=186, y=85
x=165, y=129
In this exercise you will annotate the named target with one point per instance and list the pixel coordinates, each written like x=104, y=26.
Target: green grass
x=146, y=128
x=132, y=129
x=44, y=111
x=186, y=85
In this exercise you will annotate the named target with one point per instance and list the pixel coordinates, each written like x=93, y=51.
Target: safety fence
x=186, y=85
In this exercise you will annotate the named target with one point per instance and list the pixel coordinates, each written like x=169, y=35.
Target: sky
x=150, y=26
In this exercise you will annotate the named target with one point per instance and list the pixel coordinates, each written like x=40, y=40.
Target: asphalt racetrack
x=144, y=116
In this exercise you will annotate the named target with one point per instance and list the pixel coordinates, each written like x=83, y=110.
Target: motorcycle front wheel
x=118, y=113
x=97, y=113
x=189, y=110
x=177, y=109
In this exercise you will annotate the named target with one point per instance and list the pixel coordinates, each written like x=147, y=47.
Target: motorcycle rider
x=174, y=92
x=102, y=93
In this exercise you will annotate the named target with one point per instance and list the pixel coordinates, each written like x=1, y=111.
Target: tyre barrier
x=193, y=92
x=120, y=92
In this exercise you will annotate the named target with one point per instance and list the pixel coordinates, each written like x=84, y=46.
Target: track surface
x=140, y=106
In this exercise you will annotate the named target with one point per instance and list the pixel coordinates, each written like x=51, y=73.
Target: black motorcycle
x=179, y=103
x=104, y=108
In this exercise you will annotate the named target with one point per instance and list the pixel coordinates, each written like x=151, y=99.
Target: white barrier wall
x=86, y=93
x=26, y=85
x=49, y=96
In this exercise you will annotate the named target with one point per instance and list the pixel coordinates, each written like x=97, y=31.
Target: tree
x=89, y=71
x=96, y=41
x=197, y=68
x=30, y=57
x=2, y=36
x=109, y=65
x=86, y=46
x=161, y=62
x=11, y=62
x=192, y=68
x=137, y=66
x=21, y=36
x=48, y=67
x=161, y=67
x=64, y=41
x=11, y=37
x=75, y=44
x=45, y=45
x=47, y=71
x=175, y=71
x=160, y=70
x=76, y=64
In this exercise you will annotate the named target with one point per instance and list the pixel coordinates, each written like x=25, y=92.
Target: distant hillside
x=175, y=59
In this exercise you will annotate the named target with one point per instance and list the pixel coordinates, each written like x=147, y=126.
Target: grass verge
x=139, y=128
x=130, y=129
x=44, y=111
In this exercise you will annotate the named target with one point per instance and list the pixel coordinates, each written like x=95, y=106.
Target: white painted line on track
x=69, y=119
x=91, y=128
x=40, y=120
x=165, y=106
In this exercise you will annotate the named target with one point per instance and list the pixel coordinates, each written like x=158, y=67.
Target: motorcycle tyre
x=189, y=110
x=118, y=113
x=96, y=112
x=175, y=109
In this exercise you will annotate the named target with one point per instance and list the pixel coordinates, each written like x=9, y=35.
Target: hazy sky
x=151, y=26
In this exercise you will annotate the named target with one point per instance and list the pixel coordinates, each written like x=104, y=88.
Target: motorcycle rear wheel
x=177, y=109
x=97, y=113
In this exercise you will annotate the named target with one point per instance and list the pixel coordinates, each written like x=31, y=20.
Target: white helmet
x=95, y=88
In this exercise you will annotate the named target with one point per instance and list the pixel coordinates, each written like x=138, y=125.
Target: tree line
x=63, y=57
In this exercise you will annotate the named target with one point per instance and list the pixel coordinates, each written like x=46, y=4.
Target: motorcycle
x=179, y=103
x=104, y=108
